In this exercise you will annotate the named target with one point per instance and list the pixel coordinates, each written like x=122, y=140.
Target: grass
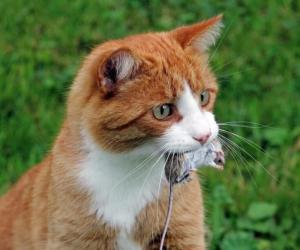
x=255, y=202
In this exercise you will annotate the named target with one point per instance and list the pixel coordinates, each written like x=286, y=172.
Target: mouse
x=179, y=166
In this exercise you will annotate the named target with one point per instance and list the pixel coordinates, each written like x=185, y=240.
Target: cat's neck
x=120, y=185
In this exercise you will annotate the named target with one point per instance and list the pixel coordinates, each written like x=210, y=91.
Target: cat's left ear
x=118, y=67
x=201, y=35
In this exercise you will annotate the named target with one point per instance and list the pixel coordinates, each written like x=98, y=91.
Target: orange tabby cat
x=134, y=102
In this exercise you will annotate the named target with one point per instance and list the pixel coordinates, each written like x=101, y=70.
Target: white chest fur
x=125, y=242
x=120, y=185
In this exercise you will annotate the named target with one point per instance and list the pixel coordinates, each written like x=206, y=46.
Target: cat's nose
x=202, y=138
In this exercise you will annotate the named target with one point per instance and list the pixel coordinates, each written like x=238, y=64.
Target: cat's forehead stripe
x=186, y=103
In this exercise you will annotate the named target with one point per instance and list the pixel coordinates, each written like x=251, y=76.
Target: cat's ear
x=201, y=35
x=118, y=67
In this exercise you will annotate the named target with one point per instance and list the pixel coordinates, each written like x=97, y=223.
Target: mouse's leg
x=185, y=177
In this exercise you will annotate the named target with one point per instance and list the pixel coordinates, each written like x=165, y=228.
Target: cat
x=133, y=103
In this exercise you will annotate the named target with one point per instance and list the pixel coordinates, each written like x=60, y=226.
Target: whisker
x=242, y=159
x=230, y=150
x=150, y=171
x=229, y=74
x=247, y=141
x=244, y=124
x=251, y=156
x=159, y=187
x=221, y=40
x=240, y=126
x=136, y=169
x=215, y=70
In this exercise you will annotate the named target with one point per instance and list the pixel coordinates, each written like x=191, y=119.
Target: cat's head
x=152, y=89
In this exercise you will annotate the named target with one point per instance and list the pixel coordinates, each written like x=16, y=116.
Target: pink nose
x=203, y=138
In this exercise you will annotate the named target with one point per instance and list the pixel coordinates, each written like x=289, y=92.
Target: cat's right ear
x=201, y=36
x=118, y=67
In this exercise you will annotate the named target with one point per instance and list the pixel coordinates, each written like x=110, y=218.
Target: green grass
x=253, y=204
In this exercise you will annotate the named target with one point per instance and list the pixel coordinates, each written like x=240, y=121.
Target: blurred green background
x=255, y=202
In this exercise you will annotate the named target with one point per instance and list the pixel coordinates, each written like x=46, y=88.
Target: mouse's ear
x=118, y=67
x=200, y=35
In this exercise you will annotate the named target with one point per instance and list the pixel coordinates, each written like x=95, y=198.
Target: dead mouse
x=179, y=166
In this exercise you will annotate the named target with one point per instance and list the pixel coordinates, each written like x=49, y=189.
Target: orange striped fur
x=49, y=208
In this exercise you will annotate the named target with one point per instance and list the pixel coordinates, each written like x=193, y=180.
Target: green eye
x=204, y=97
x=162, y=111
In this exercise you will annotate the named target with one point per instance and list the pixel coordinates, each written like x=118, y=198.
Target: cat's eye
x=204, y=98
x=163, y=111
